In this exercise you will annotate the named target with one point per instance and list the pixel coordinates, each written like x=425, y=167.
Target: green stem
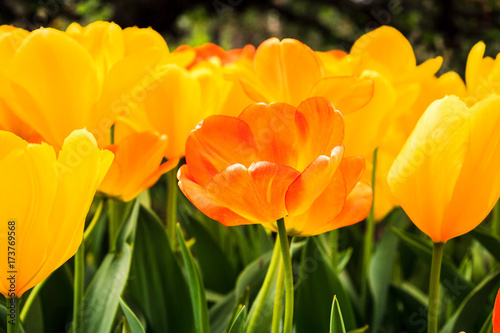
x=368, y=241
x=433, y=308
x=334, y=241
x=287, y=265
x=13, y=320
x=278, y=300
x=495, y=225
x=78, y=289
x=172, y=206
x=31, y=298
x=263, y=296
x=93, y=223
x=113, y=221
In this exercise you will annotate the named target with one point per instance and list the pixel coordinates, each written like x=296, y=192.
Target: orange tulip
x=137, y=165
x=276, y=161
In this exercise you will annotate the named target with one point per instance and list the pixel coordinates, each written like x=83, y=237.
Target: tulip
x=279, y=166
x=276, y=161
x=46, y=197
x=60, y=83
x=216, y=54
x=137, y=165
x=446, y=178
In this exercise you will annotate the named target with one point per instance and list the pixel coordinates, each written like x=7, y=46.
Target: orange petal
x=496, y=314
x=256, y=193
x=347, y=93
x=196, y=194
x=356, y=208
x=137, y=159
x=352, y=168
x=274, y=131
x=287, y=70
x=324, y=209
x=312, y=181
x=217, y=143
x=320, y=128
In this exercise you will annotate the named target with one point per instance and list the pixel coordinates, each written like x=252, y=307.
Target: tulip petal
x=324, y=209
x=387, y=45
x=217, y=143
x=31, y=181
x=137, y=162
x=256, y=193
x=274, y=131
x=479, y=172
x=347, y=93
x=287, y=70
x=312, y=181
x=81, y=166
x=423, y=176
x=51, y=74
x=320, y=128
x=473, y=66
x=357, y=207
x=197, y=195
x=352, y=168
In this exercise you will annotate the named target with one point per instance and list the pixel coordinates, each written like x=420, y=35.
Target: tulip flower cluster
x=298, y=141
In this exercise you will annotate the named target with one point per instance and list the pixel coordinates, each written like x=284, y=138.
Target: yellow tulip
x=60, y=83
x=446, y=177
x=45, y=197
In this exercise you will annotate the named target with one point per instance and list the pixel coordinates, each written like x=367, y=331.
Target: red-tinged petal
x=273, y=128
x=320, y=128
x=256, y=193
x=352, y=168
x=287, y=70
x=323, y=210
x=217, y=143
x=356, y=208
x=312, y=181
x=347, y=93
x=196, y=194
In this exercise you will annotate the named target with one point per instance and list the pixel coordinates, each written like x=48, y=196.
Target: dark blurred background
x=448, y=28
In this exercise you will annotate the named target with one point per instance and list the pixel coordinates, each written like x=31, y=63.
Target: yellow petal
x=55, y=83
x=478, y=186
x=423, y=176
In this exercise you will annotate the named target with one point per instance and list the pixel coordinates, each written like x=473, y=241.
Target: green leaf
x=103, y=294
x=157, y=284
x=360, y=330
x=336, y=320
x=196, y=288
x=134, y=323
x=218, y=273
x=129, y=212
x=316, y=287
x=488, y=241
x=450, y=277
x=220, y=313
x=238, y=323
x=488, y=324
x=380, y=269
x=467, y=314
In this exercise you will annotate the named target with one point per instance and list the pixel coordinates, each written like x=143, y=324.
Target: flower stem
x=334, y=242
x=495, y=225
x=172, y=206
x=263, y=296
x=287, y=271
x=368, y=241
x=278, y=300
x=78, y=289
x=433, y=308
x=13, y=320
x=31, y=298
